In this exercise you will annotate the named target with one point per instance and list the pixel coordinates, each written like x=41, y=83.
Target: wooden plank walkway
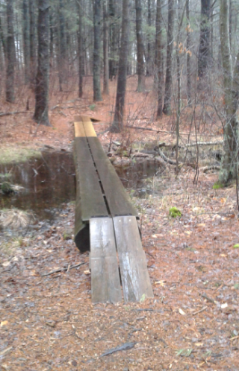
x=106, y=223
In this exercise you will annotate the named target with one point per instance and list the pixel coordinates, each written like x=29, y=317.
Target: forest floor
x=47, y=320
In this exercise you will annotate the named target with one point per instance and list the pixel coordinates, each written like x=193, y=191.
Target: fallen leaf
x=182, y=312
x=87, y=272
x=4, y=323
x=236, y=246
x=225, y=305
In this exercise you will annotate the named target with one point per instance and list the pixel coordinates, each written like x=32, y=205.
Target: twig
x=62, y=269
x=199, y=311
x=207, y=168
x=203, y=144
x=235, y=337
x=208, y=299
x=12, y=113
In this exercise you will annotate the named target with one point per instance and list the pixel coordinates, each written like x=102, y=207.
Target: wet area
x=41, y=184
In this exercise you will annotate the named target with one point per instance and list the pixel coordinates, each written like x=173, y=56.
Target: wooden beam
x=105, y=281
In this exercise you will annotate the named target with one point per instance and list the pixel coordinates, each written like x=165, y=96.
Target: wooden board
x=96, y=149
x=133, y=266
x=79, y=129
x=105, y=281
x=117, y=197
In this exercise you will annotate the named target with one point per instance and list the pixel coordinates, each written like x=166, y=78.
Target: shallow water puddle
x=47, y=182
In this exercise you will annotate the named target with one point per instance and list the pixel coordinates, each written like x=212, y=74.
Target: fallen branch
x=199, y=311
x=207, y=168
x=209, y=299
x=62, y=269
x=166, y=159
x=12, y=113
x=203, y=144
x=165, y=131
x=125, y=346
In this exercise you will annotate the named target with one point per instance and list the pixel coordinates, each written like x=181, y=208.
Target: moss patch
x=217, y=185
x=14, y=154
x=174, y=212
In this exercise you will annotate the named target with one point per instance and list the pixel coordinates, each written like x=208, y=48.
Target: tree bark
x=106, y=48
x=149, y=41
x=42, y=78
x=229, y=164
x=189, y=53
x=10, y=50
x=117, y=125
x=168, y=81
x=159, y=58
x=80, y=49
x=204, y=56
x=32, y=7
x=112, y=40
x=96, y=52
x=26, y=39
x=140, y=47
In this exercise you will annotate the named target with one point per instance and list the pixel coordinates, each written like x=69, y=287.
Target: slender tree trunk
x=229, y=164
x=3, y=39
x=80, y=49
x=169, y=72
x=159, y=57
x=204, y=56
x=189, y=53
x=26, y=39
x=10, y=49
x=112, y=40
x=61, y=45
x=106, y=48
x=96, y=53
x=32, y=7
x=42, y=78
x=122, y=75
x=149, y=42
x=140, y=47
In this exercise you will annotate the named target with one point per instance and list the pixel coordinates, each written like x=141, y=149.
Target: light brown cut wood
x=105, y=281
x=89, y=128
x=133, y=266
x=79, y=129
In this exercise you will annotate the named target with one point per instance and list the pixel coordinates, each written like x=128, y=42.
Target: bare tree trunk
x=149, y=42
x=96, y=53
x=140, y=47
x=229, y=164
x=168, y=82
x=159, y=58
x=106, y=48
x=42, y=78
x=26, y=39
x=80, y=49
x=10, y=49
x=204, y=56
x=117, y=125
x=112, y=40
x=188, y=44
x=32, y=6
x=61, y=45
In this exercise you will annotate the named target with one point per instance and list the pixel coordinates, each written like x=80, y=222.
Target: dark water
x=49, y=181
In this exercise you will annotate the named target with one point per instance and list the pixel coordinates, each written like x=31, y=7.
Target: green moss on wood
x=174, y=212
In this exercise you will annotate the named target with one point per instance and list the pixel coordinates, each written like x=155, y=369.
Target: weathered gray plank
x=133, y=265
x=90, y=194
x=117, y=197
x=105, y=281
x=91, y=197
x=96, y=149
